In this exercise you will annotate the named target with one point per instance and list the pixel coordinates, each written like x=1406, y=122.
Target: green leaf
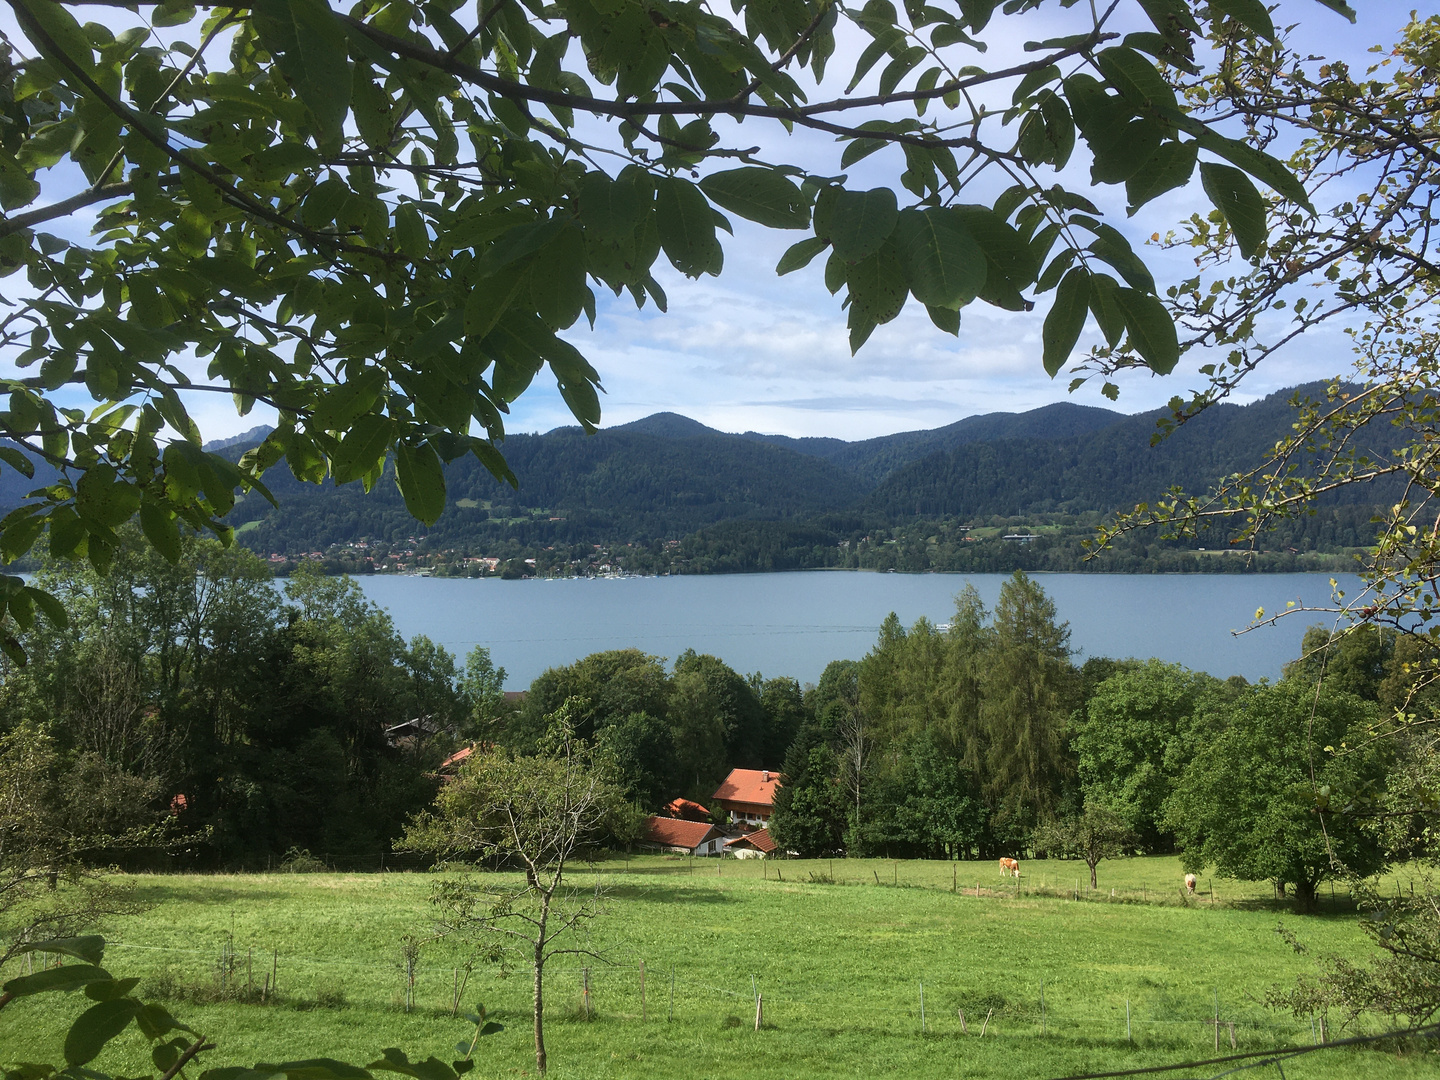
x=1250, y=14
x=363, y=447
x=17, y=187
x=687, y=227
x=1111, y=246
x=1341, y=7
x=160, y=528
x=52, y=608
x=944, y=264
x=885, y=41
x=877, y=287
x=945, y=319
x=1105, y=306
x=110, y=989
x=1258, y=164
x=96, y=1026
x=1238, y=199
x=1066, y=319
x=799, y=255
x=862, y=221
x=1033, y=81
x=421, y=480
x=1137, y=80
x=557, y=279
x=1152, y=330
x=1059, y=127
x=344, y=401
x=19, y=462
x=60, y=26
x=761, y=195
x=488, y=301
x=310, y=46
x=155, y=1021
x=612, y=209
x=103, y=499
x=1169, y=167
x=67, y=978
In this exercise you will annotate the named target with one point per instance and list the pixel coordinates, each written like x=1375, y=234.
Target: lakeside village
x=414, y=555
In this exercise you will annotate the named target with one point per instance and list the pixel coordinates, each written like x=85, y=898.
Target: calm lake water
x=796, y=623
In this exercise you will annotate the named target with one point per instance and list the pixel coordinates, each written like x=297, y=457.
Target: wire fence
x=657, y=991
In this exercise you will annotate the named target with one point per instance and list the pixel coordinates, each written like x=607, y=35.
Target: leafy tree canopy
x=380, y=220
x=1273, y=795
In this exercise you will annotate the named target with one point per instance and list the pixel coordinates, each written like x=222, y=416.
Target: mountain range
x=666, y=477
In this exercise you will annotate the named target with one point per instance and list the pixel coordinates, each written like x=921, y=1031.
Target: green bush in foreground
x=175, y=1045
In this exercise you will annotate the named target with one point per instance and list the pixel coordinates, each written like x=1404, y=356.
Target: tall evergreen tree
x=1028, y=687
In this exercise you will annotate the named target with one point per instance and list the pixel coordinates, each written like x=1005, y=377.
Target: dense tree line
x=254, y=720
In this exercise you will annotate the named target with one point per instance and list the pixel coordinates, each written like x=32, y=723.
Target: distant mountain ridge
x=666, y=476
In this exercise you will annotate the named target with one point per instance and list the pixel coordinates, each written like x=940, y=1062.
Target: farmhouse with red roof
x=753, y=845
x=748, y=795
x=685, y=808
x=689, y=837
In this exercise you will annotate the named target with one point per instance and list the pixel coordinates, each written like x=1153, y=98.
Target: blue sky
x=752, y=351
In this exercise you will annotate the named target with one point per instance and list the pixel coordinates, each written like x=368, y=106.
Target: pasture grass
x=839, y=965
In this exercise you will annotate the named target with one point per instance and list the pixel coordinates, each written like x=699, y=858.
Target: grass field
x=840, y=967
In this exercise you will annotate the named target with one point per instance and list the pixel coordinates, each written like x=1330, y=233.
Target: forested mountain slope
x=874, y=459
x=666, y=477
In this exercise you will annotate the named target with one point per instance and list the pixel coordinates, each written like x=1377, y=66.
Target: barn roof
x=457, y=757
x=672, y=832
x=754, y=786
x=760, y=840
x=684, y=808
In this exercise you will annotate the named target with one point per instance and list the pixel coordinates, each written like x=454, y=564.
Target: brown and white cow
x=1010, y=866
x=1190, y=884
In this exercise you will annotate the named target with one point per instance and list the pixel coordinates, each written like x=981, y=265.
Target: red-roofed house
x=754, y=845
x=684, y=808
x=690, y=837
x=748, y=795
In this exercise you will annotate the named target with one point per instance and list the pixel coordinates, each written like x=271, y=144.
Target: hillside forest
x=251, y=722
x=669, y=495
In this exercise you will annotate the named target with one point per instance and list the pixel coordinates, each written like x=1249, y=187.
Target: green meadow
x=839, y=966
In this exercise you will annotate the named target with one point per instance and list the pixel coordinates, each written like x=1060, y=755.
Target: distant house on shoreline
x=748, y=795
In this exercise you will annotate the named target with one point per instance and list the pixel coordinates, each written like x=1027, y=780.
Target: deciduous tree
x=1272, y=796
x=1096, y=833
x=535, y=814
x=380, y=221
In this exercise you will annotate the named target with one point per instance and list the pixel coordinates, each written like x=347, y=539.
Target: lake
x=796, y=623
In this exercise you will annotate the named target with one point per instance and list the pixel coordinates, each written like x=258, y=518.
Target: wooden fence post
x=922, y=1008
x=1127, y=1021
x=759, y=1010
x=961, y=1014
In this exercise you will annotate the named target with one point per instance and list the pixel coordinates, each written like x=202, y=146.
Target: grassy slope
x=839, y=965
